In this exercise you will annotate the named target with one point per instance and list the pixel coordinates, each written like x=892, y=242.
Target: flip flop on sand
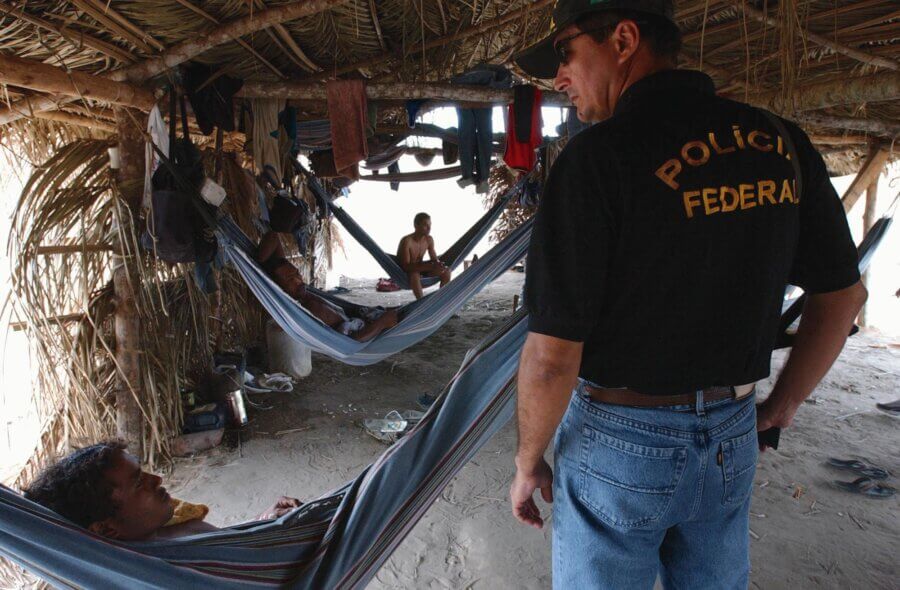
x=867, y=487
x=891, y=408
x=859, y=468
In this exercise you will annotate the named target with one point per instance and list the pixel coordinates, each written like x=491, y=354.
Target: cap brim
x=540, y=59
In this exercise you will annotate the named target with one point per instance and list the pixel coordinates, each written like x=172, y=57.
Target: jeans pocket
x=628, y=485
x=739, y=456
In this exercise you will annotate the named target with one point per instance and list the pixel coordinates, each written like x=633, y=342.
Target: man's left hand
x=525, y=482
x=770, y=414
x=282, y=506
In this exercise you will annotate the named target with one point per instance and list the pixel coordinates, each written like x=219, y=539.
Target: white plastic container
x=212, y=193
x=287, y=355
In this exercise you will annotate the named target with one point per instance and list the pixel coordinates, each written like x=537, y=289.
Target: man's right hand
x=525, y=482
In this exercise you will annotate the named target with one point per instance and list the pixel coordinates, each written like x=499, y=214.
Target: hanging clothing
x=412, y=110
x=266, y=151
x=159, y=136
x=213, y=104
x=523, y=129
x=449, y=152
x=394, y=168
x=476, y=134
x=348, y=114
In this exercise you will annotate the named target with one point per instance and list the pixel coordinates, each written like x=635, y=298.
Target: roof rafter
x=77, y=38
x=202, y=13
x=118, y=25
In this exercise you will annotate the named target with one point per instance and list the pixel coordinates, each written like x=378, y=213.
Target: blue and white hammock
x=418, y=320
x=337, y=541
x=454, y=255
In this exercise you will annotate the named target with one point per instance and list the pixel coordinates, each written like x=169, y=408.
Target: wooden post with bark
x=868, y=220
x=129, y=178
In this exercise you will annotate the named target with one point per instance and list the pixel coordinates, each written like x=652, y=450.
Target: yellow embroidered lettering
x=715, y=145
x=786, y=192
x=737, y=136
x=668, y=171
x=709, y=199
x=747, y=195
x=727, y=191
x=695, y=145
x=766, y=190
x=691, y=200
x=763, y=147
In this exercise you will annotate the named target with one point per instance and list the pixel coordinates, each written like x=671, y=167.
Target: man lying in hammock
x=411, y=255
x=103, y=489
x=271, y=257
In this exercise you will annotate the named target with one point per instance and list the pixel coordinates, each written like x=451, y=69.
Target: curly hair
x=76, y=487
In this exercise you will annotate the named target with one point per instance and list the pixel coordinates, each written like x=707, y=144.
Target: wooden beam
x=72, y=249
x=187, y=50
x=46, y=78
x=59, y=320
x=419, y=176
x=191, y=48
x=78, y=120
x=377, y=25
x=852, y=52
x=888, y=129
x=869, y=173
x=884, y=86
x=395, y=91
x=76, y=38
x=202, y=13
x=850, y=140
x=480, y=29
x=291, y=49
x=118, y=25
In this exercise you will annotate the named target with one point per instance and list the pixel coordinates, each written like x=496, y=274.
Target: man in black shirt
x=662, y=247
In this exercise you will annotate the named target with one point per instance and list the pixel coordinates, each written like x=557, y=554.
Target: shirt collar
x=667, y=83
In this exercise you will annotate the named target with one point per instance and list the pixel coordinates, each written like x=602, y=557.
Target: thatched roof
x=832, y=64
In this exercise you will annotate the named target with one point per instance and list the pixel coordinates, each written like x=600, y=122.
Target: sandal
x=867, y=487
x=859, y=468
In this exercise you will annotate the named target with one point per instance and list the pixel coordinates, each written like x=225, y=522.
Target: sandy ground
x=806, y=533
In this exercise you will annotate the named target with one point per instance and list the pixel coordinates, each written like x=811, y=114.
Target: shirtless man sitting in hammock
x=103, y=489
x=411, y=255
x=271, y=257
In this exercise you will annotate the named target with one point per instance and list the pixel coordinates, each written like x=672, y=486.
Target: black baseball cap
x=540, y=59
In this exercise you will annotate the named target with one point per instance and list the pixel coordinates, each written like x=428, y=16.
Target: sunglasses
x=561, y=47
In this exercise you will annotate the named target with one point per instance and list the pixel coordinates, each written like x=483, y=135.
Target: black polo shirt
x=666, y=236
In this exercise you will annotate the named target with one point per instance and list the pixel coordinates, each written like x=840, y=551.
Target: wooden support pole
x=72, y=249
x=46, y=78
x=869, y=173
x=868, y=221
x=396, y=91
x=129, y=389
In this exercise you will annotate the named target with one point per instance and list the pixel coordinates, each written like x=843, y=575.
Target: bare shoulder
x=430, y=241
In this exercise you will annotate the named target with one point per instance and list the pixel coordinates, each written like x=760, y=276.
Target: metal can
x=236, y=407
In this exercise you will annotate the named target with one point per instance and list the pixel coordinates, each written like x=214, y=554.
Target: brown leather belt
x=622, y=396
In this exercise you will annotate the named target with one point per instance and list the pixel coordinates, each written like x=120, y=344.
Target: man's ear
x=626, y=39
x=104, y=528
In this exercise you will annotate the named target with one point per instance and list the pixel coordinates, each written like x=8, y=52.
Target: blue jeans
x=646, y=491
x=476, y=136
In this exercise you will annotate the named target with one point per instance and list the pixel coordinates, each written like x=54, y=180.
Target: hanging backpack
x=176, y=230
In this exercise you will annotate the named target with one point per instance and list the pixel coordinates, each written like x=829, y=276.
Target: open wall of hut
x=119, y=333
